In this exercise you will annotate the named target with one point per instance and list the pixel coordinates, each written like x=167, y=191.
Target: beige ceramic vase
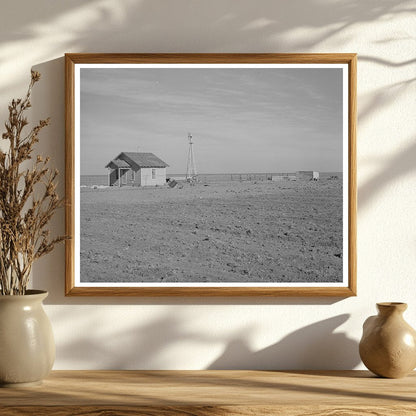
x=27, y=347
x=388, y=344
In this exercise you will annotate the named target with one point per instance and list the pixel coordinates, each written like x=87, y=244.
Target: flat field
x=219, y=232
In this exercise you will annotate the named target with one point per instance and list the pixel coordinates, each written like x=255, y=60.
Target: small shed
x=307, y=175
x=136, y=169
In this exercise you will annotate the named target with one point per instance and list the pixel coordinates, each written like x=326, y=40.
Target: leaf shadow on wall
x=403, y=162
x=312, y=347
x=315, y=346
x=244, y=28
x=393, y=169
x=141, y=347
x=150, y=26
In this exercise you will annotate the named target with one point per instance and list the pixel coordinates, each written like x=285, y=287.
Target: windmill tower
x=191, y=174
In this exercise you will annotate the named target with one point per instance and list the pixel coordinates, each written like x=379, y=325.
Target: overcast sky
x=242, y=120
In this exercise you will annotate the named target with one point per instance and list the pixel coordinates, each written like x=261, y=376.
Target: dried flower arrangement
x=28, y=199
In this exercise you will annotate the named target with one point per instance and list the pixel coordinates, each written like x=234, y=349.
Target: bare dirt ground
x=225, y=232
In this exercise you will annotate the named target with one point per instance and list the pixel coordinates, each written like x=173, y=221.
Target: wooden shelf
x=203, y=393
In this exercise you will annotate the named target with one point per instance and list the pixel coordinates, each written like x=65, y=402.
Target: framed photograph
x=211, y=174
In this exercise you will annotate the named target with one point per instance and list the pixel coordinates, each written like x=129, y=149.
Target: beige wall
x=193, y=333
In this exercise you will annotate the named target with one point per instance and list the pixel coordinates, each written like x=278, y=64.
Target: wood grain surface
x=203, y=393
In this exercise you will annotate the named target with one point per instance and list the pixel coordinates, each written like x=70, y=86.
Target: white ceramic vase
x=27, y=347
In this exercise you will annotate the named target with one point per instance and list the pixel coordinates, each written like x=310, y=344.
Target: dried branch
x=23, y=217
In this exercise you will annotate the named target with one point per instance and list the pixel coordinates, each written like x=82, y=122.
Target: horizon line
x=237, y=173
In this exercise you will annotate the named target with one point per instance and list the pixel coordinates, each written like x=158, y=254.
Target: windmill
x=191, y=175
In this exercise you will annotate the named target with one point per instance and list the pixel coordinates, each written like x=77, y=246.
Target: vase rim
x=400, y=306
x=30, y=293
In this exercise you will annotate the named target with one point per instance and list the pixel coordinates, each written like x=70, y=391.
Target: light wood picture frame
x=210, y=174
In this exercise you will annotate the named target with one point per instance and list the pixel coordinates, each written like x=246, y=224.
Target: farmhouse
x=136, y=169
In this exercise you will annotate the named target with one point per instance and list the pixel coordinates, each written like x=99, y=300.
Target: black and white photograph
x=211, y=175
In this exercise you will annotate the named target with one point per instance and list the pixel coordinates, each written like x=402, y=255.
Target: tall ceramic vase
x=388, y=345
x=27, y=347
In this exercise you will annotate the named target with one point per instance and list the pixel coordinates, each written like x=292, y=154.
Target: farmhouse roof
x=146, y=160
x=118, y=163
x=137, y=160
